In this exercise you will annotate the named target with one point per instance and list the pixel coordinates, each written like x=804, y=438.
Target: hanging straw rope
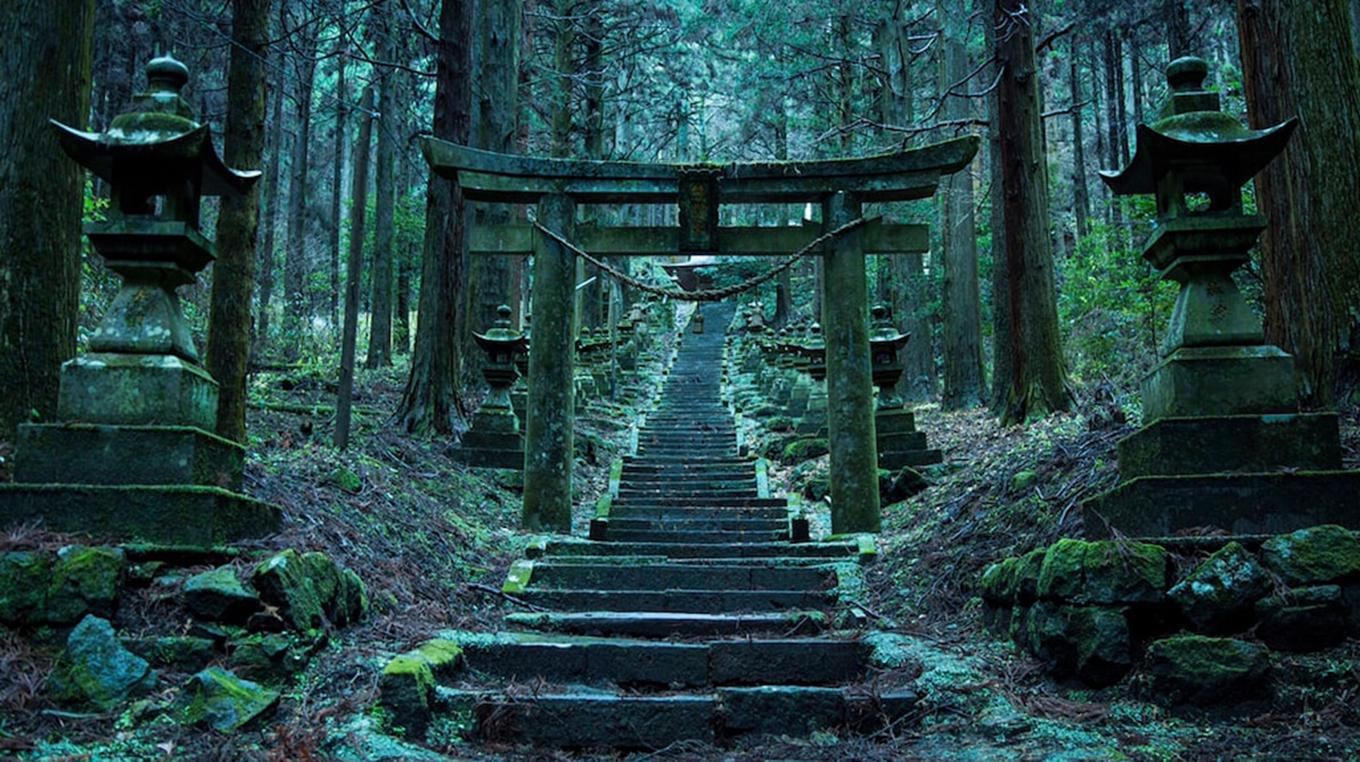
x=713, y=295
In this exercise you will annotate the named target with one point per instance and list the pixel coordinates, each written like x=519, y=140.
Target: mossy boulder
x=1199, y=670
x=96, y=671
x=408, y=682
x=85, y=581
x=998, y=582
x=219, y=596
x=38, y=587
x=1314, y=556
x=894, y=487
x=24, y=579
x=800, y=450
x=1027, y=573
x=1219, y=594
x=1302, y=619
x=308, y=590
x=217, y=698
x=1106, y=572
x=1090, y=642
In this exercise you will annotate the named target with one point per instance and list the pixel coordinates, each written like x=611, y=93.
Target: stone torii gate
x=557, y=186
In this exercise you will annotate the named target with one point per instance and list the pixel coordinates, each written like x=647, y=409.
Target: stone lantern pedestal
x=1224, y=447
x=813, y=352
x=133, y=453
x=899, y=442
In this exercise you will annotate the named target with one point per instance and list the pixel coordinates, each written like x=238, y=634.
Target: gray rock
x=1303, y=619
x=218, y=698
x=1218, y=596
x=219, y=596
x=96, y=671
x=1315, y=556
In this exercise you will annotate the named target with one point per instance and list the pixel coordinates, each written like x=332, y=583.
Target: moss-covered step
x=102, y=454
x=655, y=624
x=579, y=720
x=1242, y=443
x=679, y=600
x=848, y=549
x=630, y=662
x=692, y=576
x=172, y=514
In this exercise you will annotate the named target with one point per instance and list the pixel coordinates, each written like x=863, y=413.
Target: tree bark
x=1038, y=385
x=1002, y=371
x=431, y=401
x=964, y=376
x=297, y=265
x=337, y=179
x=228, y=351
x=264, y=265
x=384, y=215
x=1178, y=41
x=1296, y=61
x=48, y=50
x=1081, y=194
x=354, y=269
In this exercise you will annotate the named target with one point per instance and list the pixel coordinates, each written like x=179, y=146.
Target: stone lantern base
x=493, y=440
x=899, y=442
x=137, y=459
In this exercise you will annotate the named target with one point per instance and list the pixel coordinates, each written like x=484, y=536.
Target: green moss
x=1062, y=572
x=24, y=578
x=1313, y=556
x=998, y=582
x=517, y=579
x=218, y=698
x=1103, y=572
x=1195, y=669
x=800, y=450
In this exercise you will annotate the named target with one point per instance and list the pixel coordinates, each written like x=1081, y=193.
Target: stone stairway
x=697, y=611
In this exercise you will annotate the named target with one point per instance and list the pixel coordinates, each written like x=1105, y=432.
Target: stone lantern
x=1223, y=444
x=813, y=351
x=134, y=453
x=494, y=440
x=899, y=442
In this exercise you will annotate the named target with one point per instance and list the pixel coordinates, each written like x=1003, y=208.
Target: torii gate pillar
x=849, y=376
x=548, y=431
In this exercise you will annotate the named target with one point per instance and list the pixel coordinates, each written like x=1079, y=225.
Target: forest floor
x=433, y=539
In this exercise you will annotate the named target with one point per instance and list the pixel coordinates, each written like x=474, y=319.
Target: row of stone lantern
x=783, y=373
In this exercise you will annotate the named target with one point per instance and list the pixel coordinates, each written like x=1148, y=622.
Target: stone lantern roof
x=156, y=146
x=1194, y=147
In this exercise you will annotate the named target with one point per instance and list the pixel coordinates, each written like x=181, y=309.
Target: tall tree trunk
x=1039, y=381
x=354, y=269
x=1081, y=194
x=964, y=377
x=337, y=179
x=297, y=265
x=1296, y=60
x=1178, y=41
x=48, y=50
x=384, y=215
x=431, y=401
x=264, y=264
x=228, y=351
x=1003, y=372
x=564, y=65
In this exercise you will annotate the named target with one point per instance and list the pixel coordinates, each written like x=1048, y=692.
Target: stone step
x=830, y=550
x=627, y=521
x=665, y=576
x=625, y=721
x=683, y=483
x=704, y=537
x=666, y=624
x=678, y=601
x=643, y=473
x=669, y=513
x=716, y=500
x=640, y=663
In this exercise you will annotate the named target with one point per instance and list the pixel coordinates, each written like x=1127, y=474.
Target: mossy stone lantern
x=494, y=439
x=885, y=350
x=1223, y=446
x=159, y=164
x=811, y=396
x=134, y=453
x=1196, y=159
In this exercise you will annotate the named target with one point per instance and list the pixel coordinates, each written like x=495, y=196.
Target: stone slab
x=1172, y=446
x=894, y=461
x=660, y=624
x=799, y=661
x=488, y=457
x=104, y=454
x=581, y=721
x=677, y=601
x=175, y=515
x=136, y=390
x=1213, y=381
x=1242, y=504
